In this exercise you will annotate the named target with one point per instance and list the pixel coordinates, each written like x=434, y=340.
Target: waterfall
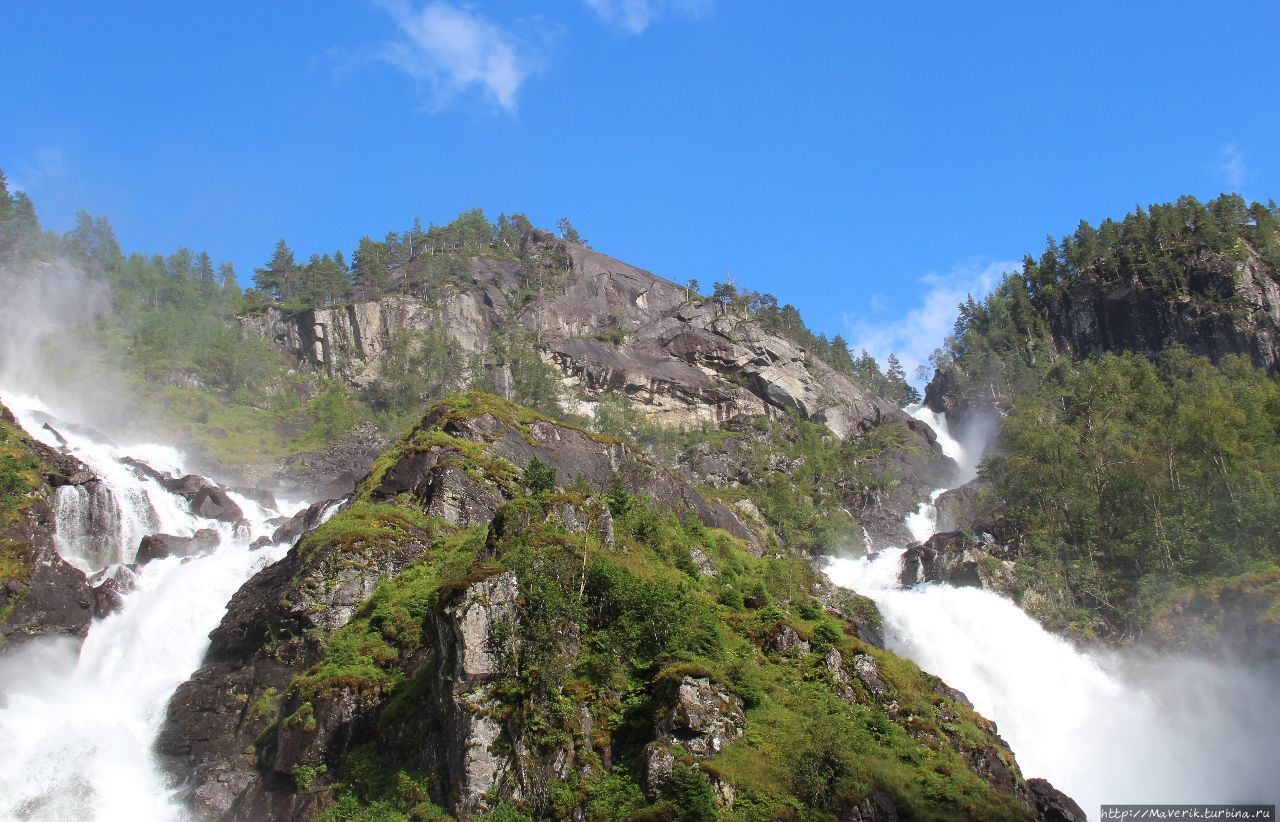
x=1108, y=727
x=77, y=727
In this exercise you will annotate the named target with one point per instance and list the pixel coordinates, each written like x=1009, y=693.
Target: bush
x=539, y=477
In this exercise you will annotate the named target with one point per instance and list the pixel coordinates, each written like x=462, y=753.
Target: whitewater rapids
x=77, y=729
x=1114, y=728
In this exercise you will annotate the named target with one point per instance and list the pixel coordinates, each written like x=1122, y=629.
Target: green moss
x=365, y=654
x=611, y=630
x=304, y=775
x=21, y=474
x=369, y=529
x=304, y=718
x=266, y=705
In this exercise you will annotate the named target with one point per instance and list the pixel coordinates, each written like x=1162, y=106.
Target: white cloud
x=1232, y=167
x=634, y=16
x=451, y=48
x=47, y=168
x=914, y=335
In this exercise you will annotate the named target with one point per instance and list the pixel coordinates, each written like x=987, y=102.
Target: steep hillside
x=609, y=327
x=1137, y=470
x=624, y=350
x=519, y=616
x=40, y=593
x=1201, y=277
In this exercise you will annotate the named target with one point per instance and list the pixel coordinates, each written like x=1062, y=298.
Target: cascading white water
x=1103, y=727
x=78, y=728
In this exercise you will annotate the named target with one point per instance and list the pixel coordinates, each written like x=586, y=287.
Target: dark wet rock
x=53, y=600
x=308, y=518
x=261, y=542
x=974, y=559
x=273, y=630
x=43, y=594
x=965, y=508
x=159, y=546
x=110, y=586
x=1051, y=804
x=264, y=498
x=213, y=503
x=333, y=471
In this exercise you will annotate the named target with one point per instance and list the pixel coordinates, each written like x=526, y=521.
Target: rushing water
x=1102, y=727
x=77, y=731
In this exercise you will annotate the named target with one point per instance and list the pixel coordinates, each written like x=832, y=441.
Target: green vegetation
x=785, y=320
x=1131, y=478
x=606, y=624
x=1005, y=346
x=1128, y=478
x=168, y=334
x=806, y=504
x=20, y=475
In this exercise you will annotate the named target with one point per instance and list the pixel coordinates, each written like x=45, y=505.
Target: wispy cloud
x=913, y=335
x=1232, y=167
x=47, y=168
x=634, y=16
x=450, y=48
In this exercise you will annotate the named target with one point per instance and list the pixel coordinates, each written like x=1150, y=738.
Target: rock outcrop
x=460, y=464
x=41, y=594
x=609, y=327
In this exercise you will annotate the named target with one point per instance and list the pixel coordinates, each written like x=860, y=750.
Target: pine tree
x=568, y=233
x=278, y=278
x=368, y=272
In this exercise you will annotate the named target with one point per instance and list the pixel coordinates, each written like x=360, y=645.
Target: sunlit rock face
x=609, y=327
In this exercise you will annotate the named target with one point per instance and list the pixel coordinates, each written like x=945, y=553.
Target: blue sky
x=870, y=163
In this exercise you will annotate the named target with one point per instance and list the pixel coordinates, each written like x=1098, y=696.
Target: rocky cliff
x=513, y=612
x=608, y=326
x=682, y=362
x=41, y=594
x=1212, y=304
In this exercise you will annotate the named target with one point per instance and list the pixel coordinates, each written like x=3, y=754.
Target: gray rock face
x=787, y=642
x=683, y=362
x=110, y=586
x=704, y=718
x=469, y=633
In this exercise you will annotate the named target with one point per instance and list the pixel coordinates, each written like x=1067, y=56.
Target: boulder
x=1051, y=804
x=305, y=520
x=159, y=546
x=212, y=502
x=787, y=642
x=110, y=585
x=705, y=717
